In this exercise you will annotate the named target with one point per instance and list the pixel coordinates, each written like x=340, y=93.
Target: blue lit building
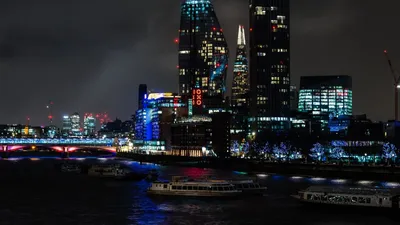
x=154, y=119
x=203, y=53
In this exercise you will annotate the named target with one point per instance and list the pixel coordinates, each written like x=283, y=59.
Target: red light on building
x=50, y=117
x=251, y=29
x=281, y=62
x=273, y=27
x=177, y=66
x=220, y=30
x=214, y=29
x=385, y=51
x=176, y=40
x=197, y=97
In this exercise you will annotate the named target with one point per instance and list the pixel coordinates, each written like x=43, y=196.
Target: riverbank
x=359, y=172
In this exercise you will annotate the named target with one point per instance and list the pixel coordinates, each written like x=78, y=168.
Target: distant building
x=76, y=130
x=240, y=88
x=326, y=97
x=66, y=126
x=160, y=110
x=269, y=44
x=294, y=98
x=89, y=125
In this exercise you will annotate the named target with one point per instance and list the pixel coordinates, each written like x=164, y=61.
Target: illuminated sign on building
x=159, y=95
x=197, y=99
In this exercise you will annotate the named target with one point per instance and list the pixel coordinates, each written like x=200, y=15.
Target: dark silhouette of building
x=269, y=64
x=141, y=95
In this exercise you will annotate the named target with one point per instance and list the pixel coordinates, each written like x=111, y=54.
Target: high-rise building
x=89, y=125
x=203, y=53
x=141, y=95
x=269, y=64
x=240, y=86
x=75, y=125
x=66, y=126
x=326, y=97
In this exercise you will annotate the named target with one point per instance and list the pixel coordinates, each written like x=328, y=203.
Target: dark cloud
x=91, y=55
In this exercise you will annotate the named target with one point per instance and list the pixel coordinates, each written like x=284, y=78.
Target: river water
x=32, y=192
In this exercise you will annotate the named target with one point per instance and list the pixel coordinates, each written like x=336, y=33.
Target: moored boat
x=351, y=196
x=182, y=186
x=117, y=171
x=70, y=168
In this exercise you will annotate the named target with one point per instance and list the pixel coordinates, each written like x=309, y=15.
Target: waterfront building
x=203, y=54
x=89, y=125
x=269, y=65
x=240, y=88
x=326, y=97
x=199, y=136
x=66, y=126
x=160, y=110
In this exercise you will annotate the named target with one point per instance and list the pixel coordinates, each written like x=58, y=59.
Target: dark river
x=32, y=192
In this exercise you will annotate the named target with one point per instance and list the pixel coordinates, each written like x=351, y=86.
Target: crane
x=396, y=78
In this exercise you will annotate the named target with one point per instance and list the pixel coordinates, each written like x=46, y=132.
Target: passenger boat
x=247, y=186
x=117, y=171
x=351, y=196
x=182, y=186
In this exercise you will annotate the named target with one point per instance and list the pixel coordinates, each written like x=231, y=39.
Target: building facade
x=203, y=53
x=76, y=130
x=153, y=121
x=89, y=125
x=240, y=87
x=66, y=126
x=326, y=97
x=269, y=64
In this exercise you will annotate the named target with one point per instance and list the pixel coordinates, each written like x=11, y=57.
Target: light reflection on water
x=94, y=201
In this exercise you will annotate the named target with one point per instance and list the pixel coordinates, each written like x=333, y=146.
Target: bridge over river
x=63, y=146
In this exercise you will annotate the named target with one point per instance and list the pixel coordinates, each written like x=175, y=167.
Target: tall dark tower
x=141, y=95
x=270, y=64
x=203, y=53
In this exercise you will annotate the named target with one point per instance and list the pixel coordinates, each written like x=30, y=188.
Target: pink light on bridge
x=72, y=149
x=15, y=147
x=58, y=149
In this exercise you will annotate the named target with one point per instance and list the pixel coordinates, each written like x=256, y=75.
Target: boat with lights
x=351, y=196
x=247, y=186
x=182, y=186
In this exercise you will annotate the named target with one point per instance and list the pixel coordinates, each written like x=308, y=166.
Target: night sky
x=90, y=56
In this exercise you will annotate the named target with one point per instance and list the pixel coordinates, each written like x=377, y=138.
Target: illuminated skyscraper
x=89, y=125
x=240, y=85
x=75, y=125
x=270, y=64
x=203, y=52
x=66, y=126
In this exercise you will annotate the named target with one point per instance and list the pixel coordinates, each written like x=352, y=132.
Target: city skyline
x=96, y=70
